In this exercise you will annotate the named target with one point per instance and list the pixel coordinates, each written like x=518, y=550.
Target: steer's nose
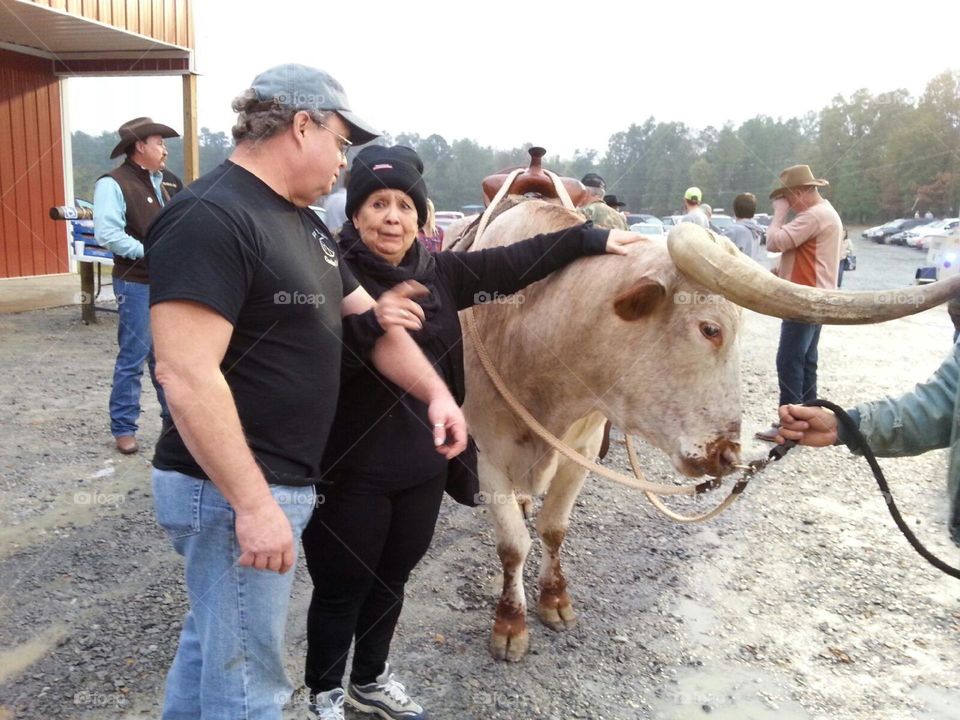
x=722, y=455
x=719, y=457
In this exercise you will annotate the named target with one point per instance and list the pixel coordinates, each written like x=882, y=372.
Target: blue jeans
x=229, y=664
x=136, y=347
x=797, y=362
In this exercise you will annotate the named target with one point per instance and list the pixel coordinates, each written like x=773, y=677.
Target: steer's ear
x=639, y=300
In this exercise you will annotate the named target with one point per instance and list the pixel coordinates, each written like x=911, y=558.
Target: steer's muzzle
x=719, y=459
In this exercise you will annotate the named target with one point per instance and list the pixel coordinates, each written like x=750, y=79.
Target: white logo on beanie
x=382, y=166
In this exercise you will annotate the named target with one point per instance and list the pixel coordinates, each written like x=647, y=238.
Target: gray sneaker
x=385, y=697
x=326, y=706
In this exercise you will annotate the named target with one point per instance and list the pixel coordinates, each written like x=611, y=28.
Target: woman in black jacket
x=385, y=479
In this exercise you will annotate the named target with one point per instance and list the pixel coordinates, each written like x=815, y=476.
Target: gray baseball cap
x=302, y=87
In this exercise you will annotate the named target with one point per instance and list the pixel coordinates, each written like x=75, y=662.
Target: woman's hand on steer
x=619, y=241
x=396, y=307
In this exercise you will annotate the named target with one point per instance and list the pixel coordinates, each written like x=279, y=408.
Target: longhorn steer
x=630, y=339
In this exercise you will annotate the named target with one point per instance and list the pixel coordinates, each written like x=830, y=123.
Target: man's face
x=324, y=156
x=152, y=153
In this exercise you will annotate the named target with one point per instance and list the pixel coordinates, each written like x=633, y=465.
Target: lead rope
x=735, y=492
x=854, y=431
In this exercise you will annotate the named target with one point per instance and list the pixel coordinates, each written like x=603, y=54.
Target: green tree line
x=885, y=155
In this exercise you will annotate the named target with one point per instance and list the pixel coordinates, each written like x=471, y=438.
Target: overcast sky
x=505, y=73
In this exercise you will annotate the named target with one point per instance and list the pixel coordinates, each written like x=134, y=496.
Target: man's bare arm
x=190, y=341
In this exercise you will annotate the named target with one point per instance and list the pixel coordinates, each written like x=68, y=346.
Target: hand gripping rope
x=861, y=442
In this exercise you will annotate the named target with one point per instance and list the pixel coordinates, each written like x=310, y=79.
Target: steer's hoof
x=511, y=648
x=558, y=618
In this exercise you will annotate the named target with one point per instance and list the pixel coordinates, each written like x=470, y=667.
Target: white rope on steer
x=651, y=490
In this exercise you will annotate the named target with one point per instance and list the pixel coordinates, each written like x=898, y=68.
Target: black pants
x=360, y=549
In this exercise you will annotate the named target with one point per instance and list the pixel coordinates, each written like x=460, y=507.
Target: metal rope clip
x=779, y=451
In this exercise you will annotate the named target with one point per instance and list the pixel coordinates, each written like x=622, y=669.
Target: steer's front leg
x=510, y=639
x=554, y=607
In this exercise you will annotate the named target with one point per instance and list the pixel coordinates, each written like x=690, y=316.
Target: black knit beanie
x=397, y=168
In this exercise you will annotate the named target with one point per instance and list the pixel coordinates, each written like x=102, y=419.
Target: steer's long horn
x=714, y=262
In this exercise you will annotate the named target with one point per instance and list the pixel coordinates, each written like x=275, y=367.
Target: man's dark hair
x=745, y=205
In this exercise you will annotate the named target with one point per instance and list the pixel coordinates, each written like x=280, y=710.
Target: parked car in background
x=671, y=220
x=444, y=217
x=920, y=236
x=641, y=218
x=882, y=233
x=652, y=229
x=763, y=219
x=900, y=238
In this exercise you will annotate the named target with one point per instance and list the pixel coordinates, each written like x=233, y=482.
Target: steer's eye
x=710, y=331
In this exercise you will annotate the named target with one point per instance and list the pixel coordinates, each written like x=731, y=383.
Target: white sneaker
x=385, y=697
x=326, y=706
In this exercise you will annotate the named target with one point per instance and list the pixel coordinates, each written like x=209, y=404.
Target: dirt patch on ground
x=801, y=602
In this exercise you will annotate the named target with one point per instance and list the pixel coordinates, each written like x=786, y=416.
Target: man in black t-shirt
x=247, y=296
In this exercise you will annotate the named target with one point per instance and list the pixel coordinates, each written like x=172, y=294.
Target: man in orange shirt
x=810, y=247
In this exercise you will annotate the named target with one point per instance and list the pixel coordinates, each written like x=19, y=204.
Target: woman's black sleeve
x=478, y=277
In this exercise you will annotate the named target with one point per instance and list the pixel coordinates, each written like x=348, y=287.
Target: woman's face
x=387, y=223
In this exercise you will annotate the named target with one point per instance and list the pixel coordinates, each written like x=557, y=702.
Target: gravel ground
x=801, y=602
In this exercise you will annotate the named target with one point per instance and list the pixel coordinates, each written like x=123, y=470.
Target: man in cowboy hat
x=595, y=208
x=810, y=247
x=691, y=205
x=126, y=200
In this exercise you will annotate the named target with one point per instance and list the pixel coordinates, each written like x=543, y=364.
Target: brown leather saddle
x=532, y=182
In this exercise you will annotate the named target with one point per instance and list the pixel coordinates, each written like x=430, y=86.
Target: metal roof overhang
x=79, y=46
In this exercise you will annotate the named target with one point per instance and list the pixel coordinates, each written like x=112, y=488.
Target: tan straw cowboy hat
x=796, y=176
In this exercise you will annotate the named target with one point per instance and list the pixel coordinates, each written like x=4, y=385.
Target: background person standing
x=810, y=247
x=125, y=201
x=596, y=208
x=691, y=207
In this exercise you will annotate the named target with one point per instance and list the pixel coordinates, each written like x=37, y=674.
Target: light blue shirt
x=110, y=217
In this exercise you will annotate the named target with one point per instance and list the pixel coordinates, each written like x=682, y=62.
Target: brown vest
x=142, y=208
